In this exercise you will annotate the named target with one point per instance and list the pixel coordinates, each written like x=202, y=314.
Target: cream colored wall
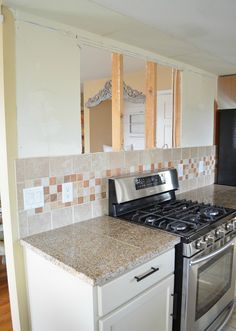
x=227, y=92
x=48, y=91
x=100, y=126
x=198, y=95
x=90, y=88
x=136, y=80
x=164, y=78
x=8, y=150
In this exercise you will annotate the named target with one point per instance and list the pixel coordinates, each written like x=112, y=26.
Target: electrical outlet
x=67, y=192
x=180, y=170
x=33, y=197
x=201, y=166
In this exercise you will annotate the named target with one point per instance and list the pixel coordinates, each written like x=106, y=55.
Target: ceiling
x=198, y=32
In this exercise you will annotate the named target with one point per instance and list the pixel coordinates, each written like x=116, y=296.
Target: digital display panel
x=149, y=181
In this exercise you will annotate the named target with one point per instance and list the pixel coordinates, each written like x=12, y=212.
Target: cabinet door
x=150, y=311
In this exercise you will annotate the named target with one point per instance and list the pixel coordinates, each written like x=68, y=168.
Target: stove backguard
x=128, y=192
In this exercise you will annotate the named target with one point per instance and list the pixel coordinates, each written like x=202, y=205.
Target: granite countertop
x=104, y=248
x=100, y=249
x=215, y=194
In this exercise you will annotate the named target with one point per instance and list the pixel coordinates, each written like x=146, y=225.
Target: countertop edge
x=111, y=276
x=58, y=263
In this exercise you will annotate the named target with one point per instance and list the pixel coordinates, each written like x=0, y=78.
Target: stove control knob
x=210, y=239
x=229, y=226
x=201, y=244
x=219, y=233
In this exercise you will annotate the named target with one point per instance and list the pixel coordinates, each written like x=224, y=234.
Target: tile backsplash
x=89, y=173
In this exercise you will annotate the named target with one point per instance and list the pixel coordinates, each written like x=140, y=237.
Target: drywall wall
x=48, y=91
x=197, y=120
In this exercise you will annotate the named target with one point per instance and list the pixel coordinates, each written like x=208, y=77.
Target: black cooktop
x=182, y=217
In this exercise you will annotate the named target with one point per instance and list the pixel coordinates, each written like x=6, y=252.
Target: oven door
x=208, y=289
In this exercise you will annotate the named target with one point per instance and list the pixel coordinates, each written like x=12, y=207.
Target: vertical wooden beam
x=176, y=108
x=151, y=105
x=117, y=102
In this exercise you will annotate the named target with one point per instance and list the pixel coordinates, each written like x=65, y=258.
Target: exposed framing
x=176, y=136
x=151, y=105
x=117, y=102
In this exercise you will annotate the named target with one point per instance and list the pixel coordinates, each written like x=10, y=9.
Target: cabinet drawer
x=124, y=288
x=150, y=311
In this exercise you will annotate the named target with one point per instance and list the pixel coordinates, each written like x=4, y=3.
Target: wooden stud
x=151, y=105
x=117, y=102
x=176, y=108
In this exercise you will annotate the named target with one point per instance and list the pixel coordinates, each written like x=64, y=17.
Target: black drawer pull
x=148, y=273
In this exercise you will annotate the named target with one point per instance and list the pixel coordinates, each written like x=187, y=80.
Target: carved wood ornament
x=130, y=94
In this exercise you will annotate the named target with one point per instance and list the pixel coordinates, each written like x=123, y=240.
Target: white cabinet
x=124, y=288
x=150, y=311
x=139, y=300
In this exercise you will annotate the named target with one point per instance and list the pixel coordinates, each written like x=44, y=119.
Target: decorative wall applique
x=130, y=94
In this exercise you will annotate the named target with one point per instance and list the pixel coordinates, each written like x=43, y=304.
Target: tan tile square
x=73, y=178
x=67, y=179
x=61, y=166
x=82, y=212
x=39, y=223
x=46, y=190
x=98, y=181
x=79, y=177
x=131, y=158
x=38, y=210
x=100, y=161
x=52, y=180
x=53, y=197
x=86, y=183
x=62, y=217
x=116, y=160
x=37, y=167
x=82, y=163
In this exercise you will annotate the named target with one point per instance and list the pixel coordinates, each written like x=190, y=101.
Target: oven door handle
x=213, y=254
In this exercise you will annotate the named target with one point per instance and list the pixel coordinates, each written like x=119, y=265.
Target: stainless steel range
x=205, y=258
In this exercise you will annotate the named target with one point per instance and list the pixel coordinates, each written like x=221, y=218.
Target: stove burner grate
x=179, y=216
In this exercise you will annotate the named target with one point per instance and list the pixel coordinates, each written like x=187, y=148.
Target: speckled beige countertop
x=100, y=249
x=104, y=248
x=216, y=194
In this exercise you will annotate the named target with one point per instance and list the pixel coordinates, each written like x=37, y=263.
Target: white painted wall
x=198, y=94
x=48, y=91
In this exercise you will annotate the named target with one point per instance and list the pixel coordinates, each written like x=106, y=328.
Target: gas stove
x=205, y=258
x=149, y=200
x=182, y=217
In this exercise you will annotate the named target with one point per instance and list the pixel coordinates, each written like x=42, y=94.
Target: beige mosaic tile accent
x=89, y=174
